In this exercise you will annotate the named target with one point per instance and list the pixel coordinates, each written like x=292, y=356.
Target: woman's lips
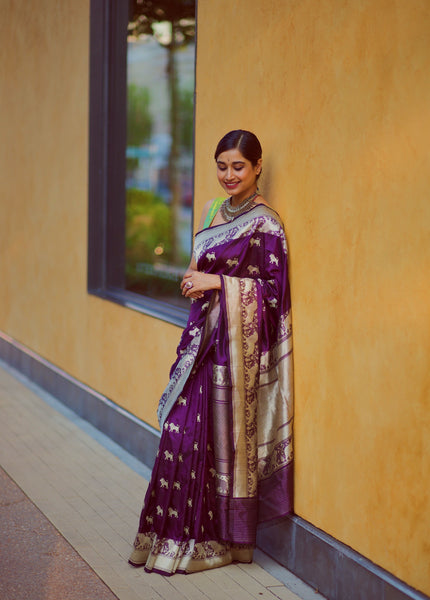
x=231, y=185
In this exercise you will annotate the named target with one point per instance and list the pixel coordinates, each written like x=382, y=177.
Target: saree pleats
x=225, y=457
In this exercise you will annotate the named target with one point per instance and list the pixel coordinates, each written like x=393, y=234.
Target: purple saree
x=225, y=458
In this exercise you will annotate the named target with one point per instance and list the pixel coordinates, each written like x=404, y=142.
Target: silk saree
x=224, y=463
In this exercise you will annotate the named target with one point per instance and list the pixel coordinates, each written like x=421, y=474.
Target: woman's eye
x=238, y=168
x=221, y=168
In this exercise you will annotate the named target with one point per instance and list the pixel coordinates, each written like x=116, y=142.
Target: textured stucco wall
x=44, y=203
x=339, y=94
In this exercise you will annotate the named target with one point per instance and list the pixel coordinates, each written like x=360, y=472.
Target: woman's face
x=236, y=174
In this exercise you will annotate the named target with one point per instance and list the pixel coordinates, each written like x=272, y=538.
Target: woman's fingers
x=185, y=283
x=197, y=282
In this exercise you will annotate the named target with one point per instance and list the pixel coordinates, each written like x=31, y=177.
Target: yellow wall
x=339, y=94
x=44, y=202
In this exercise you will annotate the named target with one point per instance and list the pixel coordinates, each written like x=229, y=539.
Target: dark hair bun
x=244, y=141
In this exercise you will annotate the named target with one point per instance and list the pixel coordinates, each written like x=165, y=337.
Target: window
x=141, y=153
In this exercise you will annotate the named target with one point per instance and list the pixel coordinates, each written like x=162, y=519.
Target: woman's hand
x=195, y=283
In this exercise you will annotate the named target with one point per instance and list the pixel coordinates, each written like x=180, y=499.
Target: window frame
x=107, y=164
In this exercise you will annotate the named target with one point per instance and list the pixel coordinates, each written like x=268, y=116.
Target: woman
x=225, y=456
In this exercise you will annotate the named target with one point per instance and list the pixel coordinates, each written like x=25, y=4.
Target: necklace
x=229, y=212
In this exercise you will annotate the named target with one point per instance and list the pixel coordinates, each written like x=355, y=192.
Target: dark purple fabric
x=188, y=471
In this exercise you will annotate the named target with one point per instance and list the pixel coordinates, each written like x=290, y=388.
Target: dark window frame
x=106, y=177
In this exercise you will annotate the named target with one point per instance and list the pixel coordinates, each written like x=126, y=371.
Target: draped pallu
x=225, y=458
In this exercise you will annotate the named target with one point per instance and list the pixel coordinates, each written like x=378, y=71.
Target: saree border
x=167, y=556
x=259, y=217
x=244, y=354
x=178, y=380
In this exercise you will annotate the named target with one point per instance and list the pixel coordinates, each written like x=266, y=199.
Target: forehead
x=231, y=156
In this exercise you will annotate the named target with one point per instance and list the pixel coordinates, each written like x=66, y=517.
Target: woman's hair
x=244, y=141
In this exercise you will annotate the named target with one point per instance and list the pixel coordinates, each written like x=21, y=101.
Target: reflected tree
x=180, y=15
x=186, y=119
x=139, y=120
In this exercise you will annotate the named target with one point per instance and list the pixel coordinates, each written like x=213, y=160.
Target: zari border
x=242, y=306
x=177, y=381
x=260, y=217
x=168, y=556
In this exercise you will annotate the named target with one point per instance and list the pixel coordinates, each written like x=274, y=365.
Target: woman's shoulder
x=271, y=213
x=261, y=200
x=209, y=210
x=208, y=206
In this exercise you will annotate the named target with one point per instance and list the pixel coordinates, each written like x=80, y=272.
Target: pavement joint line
x=76, y=476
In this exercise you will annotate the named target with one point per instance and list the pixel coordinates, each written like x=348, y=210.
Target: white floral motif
x=159, y=510
x=176, y=485
x=205, y=306
x=164, y=483
x=274, y=260
x=195, y=446
x=182, y=401
x=186, y=530
x=194, y=331
x=255, y=242
x=180, y=458
x=210, y=256
x=189, y=502
x=149, y=520
x=173, y=512
x=168, y=455
x=173, y=428
x=273, y=303
x=193, y=474
x=198, y=417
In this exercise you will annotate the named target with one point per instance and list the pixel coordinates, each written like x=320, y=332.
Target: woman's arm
x=200, y=281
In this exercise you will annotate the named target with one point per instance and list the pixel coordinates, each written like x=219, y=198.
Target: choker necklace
x=229, y=212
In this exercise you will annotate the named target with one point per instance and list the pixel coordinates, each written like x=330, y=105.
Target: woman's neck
x=240, y=198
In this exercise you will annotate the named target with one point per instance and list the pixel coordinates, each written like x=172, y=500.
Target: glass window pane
x=160, y=121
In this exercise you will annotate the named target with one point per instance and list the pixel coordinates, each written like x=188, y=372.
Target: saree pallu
x=224, y=463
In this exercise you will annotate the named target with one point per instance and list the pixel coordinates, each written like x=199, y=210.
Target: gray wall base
x=332, y=568
x=138, y=438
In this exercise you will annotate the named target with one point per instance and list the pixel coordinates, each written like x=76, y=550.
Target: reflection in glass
x=160, y=119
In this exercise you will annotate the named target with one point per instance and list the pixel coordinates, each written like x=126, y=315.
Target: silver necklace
x=229, y=212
